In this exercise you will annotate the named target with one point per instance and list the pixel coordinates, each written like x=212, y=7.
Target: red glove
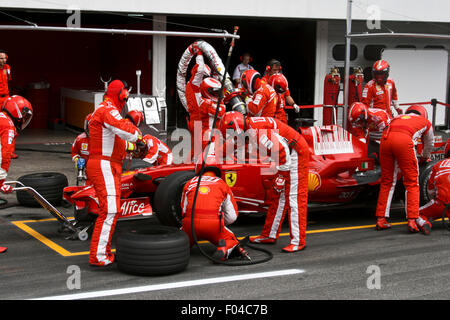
x=6, y=188
x=280, y=181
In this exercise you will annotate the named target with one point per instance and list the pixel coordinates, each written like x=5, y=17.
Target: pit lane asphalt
x=337, y=263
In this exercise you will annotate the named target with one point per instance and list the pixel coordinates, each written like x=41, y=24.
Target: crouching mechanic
x=291, y=152
x=215, y=209
x=15, y=115
x=158, y=152
x=108, y=133
x=439, y=189
x=398, y=154
x=261, y=98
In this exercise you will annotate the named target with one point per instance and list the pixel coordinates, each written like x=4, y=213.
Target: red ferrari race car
x=340, y=169
x=340, y=174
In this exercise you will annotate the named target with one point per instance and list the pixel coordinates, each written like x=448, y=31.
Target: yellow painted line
x=41, y=238
x=22, y=225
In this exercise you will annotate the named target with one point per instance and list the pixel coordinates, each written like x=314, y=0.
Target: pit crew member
x=5, y=77
x=290, y=150
x=215, y=210
x=273, y=67
x=16, y=114
x=398, y=154
x=367, y=123
x=261, y=98
x=80, y=147
x=108, y=132
x=193, y=95
x=380, y=92
x=439, y=188
x=209, y=89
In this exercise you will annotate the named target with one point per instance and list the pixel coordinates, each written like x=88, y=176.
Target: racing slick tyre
x=153, y=251
x=424, y=176
x=49, y=184
x=168, y=198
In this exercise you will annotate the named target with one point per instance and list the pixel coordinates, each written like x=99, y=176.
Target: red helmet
x=206, y=70
x=211, y=164
x=19, y=110
x=118, y=92
x=86, y=123
x=358, y=113
x=380, y=71
x=251, y=80
x=232, y=120
x=279, y=82
x=136, y=117
x=447, y=149
x=418, y=109
x=210, y=88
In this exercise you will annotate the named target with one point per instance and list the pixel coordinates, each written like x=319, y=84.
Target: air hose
x=243, y=242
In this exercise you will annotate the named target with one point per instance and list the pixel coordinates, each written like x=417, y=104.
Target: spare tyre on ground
x=49, y=184
x=152, y=251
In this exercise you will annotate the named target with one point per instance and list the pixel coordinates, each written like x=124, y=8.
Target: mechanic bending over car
x=15, y=115
x=158, y=152
x=215, y=209
x=291, y=152
x=110, y=136
x=439, y=188
x=368, y=124
x=261, y=99
x=398, y=154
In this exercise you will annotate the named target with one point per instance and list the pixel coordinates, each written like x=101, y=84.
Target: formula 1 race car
x=340, y=174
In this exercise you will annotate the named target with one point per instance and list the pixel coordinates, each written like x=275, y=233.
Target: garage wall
x=75, y=60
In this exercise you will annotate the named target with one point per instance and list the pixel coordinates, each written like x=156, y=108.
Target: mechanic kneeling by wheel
x=215, y=209
x=289, y=148
x=439, y=188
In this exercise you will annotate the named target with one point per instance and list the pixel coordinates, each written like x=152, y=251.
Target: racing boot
x=382, y=224
x=3, y=249
x=239, y=251
x=412, y=226
x=293, y=248
x=262, y=240
x=424, y=225
x=221, y=251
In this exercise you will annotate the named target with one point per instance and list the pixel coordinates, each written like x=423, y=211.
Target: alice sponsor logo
x=132, y=207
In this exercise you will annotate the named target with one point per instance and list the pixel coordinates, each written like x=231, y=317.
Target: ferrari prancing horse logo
x=230, y=178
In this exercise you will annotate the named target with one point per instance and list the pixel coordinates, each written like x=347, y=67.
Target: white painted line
x=174, y=285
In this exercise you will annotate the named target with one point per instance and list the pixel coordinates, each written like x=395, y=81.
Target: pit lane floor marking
x=173, y=285
x=65, y=253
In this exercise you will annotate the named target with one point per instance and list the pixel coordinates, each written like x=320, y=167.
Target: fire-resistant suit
x=80, y=147
x=377, y=120
x=5, y=76
x=398, y=154
x=215, y=209
x=439, y=187
x=263, y=103
x=381, y=96
x=291, y=151
x=107, y=133
x=193, y=95
x=7, y=139
x=158, y=152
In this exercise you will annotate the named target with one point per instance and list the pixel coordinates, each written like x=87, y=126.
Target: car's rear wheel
x=424, y=178
x=168, y=198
